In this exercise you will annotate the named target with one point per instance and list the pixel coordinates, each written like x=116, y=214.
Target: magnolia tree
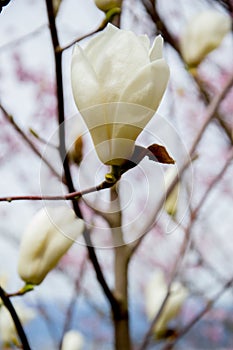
x=116, y=155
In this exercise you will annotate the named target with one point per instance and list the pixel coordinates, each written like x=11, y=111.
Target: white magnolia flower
x=118, y=82
x=155, y=293
x=8, y=333
x=203, y=34
x=47, y=238
x=106, y=5
x=73, y=340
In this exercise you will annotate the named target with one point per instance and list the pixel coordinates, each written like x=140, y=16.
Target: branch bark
x=121, y=317
x=8, y=304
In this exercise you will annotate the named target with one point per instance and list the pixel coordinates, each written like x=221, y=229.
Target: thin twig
x=197, y=318
x=60, y=102
x=42, y=140
x=175, y=269
x=70, y=196
x=213, y=183
x=210, y=112
x=15, y=318
x=111, y=16
x=151, y=8
x=71, y=305
x=95, y=31
x=11, y=120
x=184, y=247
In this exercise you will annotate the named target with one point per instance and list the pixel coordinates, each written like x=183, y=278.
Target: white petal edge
x=156, y=51
x=148, y=86
x=84, y=81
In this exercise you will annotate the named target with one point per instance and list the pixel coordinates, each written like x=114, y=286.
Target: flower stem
x=121, y=318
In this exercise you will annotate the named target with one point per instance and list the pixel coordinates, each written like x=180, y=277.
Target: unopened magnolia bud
x=56, y=5
x=156, y=291
x=203, y=34
x=106, y=5
x=75, y=130
x=76, y=151
x=171, y=202
x=73, y=340
x=47, y=238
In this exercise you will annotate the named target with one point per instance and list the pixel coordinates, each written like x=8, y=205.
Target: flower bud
x=73, y=340
x=118, y=82
x=75, y=131
x=47, y=238
x=156, y=291
x=172, y=199
x=76, y=152
x=106, y=5
x=56, y=5
x=203, y=34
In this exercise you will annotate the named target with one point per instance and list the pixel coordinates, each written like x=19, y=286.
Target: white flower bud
x=8, y=333
x=203, y=34
x=155, y=293
x=73, y=340
x=118, y=82
x=47, y=238
x=56, y=5
x=106, y=5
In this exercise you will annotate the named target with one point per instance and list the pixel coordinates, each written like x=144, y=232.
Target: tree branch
x=151, y=8
x=210, y=112
x=11, y=120
x=60, y=101
x=70, y=196
x=183, y=249
x=121, y=261
x=15, y=318
x=197, y=318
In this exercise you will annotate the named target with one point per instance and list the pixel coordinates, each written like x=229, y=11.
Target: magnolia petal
x=156, y=51
x=145, y=41
x=47, y=238
x=100, y=41
x=115, y=67
x=112, y=134
x=148, y=86
x=83, y=79
x=115, y=151
x=155, y=294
